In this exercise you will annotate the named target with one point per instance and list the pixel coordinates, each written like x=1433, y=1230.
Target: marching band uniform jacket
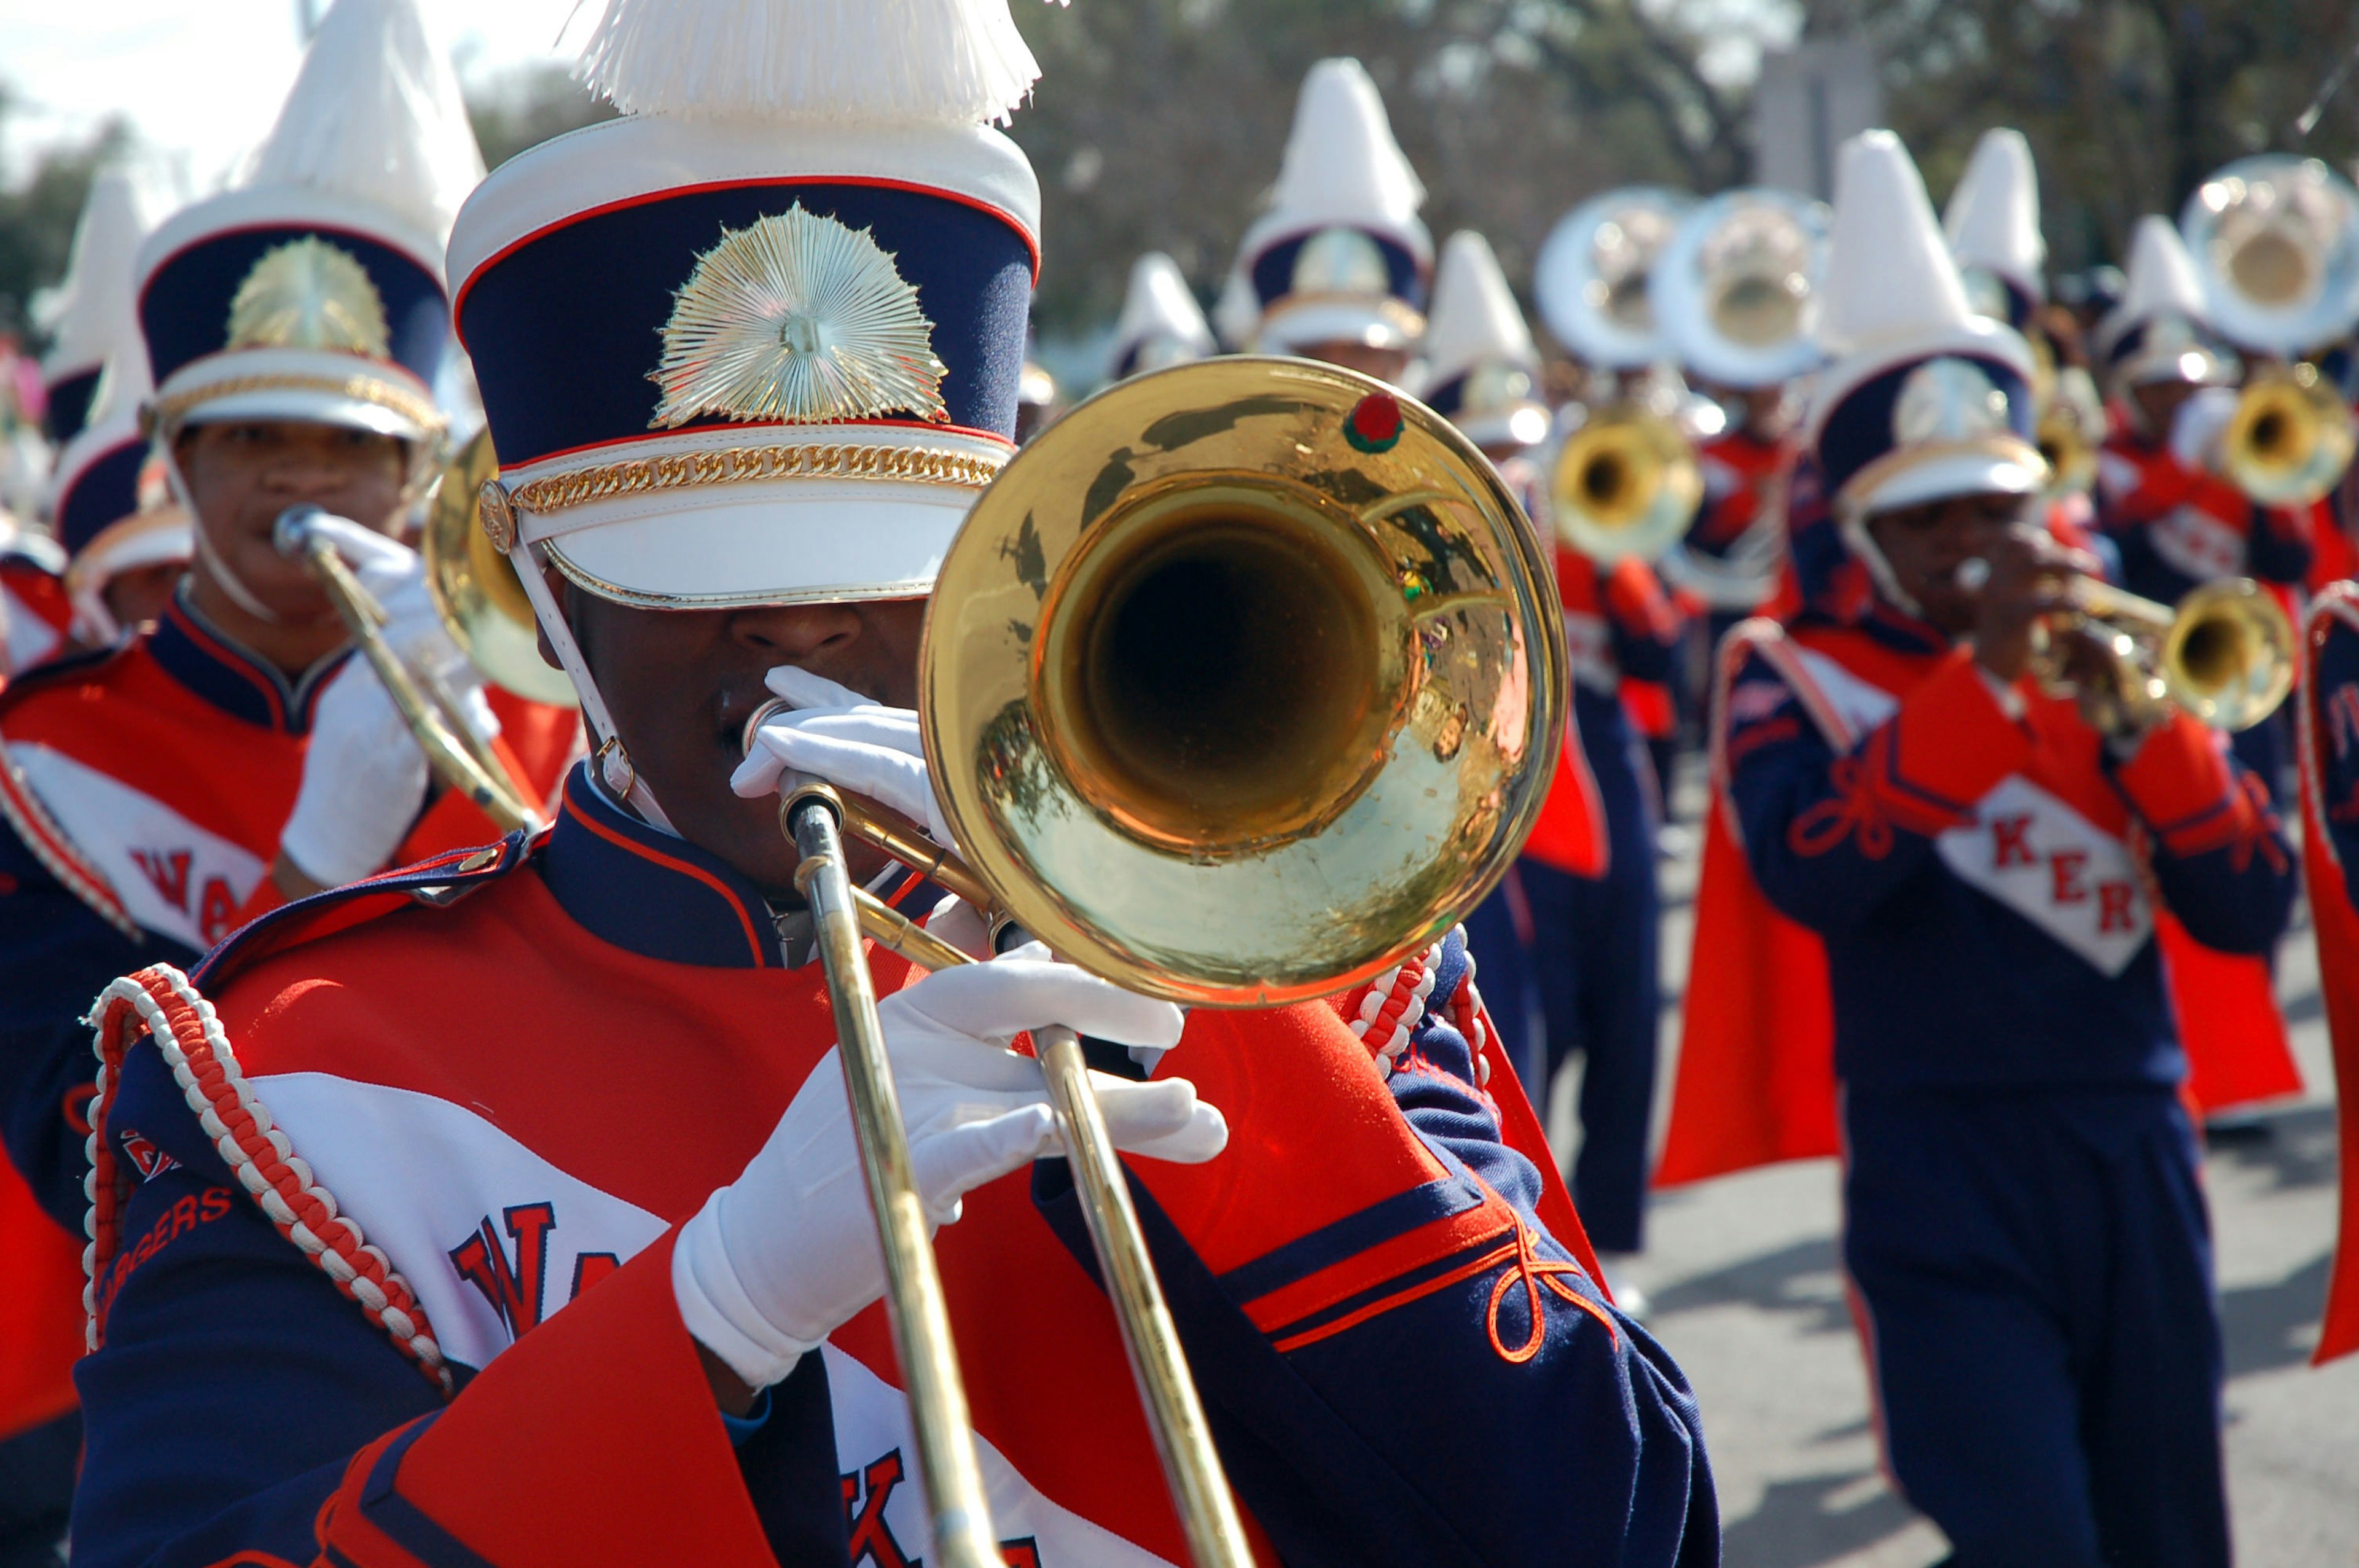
x=511, y=1099
x=1976, y=878
x=144, y=789
x=36, y=616
x=2179, y=526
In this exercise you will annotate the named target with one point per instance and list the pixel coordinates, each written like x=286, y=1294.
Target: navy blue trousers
x=1587, y=965
x=2036, y=1271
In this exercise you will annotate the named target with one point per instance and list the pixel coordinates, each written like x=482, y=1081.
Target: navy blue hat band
x=567, y=326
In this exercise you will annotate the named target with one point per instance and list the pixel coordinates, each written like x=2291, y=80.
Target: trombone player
x=2023, y=1216
x=630, y=1312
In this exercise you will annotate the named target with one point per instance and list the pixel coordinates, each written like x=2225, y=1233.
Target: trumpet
x=2225, y=654
x=1240, y=682
x=2290, y=439
x=470, y=584
x=1624, y=484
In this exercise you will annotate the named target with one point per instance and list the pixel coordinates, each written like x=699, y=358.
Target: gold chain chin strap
x=740, y=464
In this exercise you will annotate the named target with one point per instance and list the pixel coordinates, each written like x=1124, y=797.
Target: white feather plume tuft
x=958, y=63
x=93, y=316
x=375, y=115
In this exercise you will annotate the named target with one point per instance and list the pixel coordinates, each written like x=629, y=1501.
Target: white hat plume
x=841, y=61
x=95, y=315
x=1890, y=277
x=1475, y=319
x=1992, y=218
x=375, y=117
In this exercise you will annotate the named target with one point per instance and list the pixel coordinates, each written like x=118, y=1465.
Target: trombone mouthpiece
x=1971, y=574
x=293, y=529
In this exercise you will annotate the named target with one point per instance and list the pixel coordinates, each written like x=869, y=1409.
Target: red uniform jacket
x=475, y=1127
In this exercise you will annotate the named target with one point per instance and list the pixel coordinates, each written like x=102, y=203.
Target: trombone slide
x=948, y=1468
x=1183, y=1439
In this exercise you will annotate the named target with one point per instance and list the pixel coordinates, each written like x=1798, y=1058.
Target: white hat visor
x=1940, y=476
x=723, y=519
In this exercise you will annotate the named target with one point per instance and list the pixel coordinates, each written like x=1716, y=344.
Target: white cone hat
x=375, y=114
x=2161, y=279
x=314, y=290
x=1992, y=218
x=1342, y=253
x=95, y=316
x=1890, y=278
x=1342, y=163
x=1474, y=315
x=1927, y=399
x=811, y=186
x=1161, y=323
x=2162, y=329
x=1482, y=370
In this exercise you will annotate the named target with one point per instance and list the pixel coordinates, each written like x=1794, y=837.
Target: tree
x=1159, y=124
x=38, y=217
x=2128, y=104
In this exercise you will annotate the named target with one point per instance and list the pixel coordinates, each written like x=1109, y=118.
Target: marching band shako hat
x=1992, y=224
x=110, y=506
x=95, y=319
x=1342, y=254
x=314, y=291
x=2162, y=331
x=1926, y=399
x=760, y=339
x=1482, y=371
x=1161, y=323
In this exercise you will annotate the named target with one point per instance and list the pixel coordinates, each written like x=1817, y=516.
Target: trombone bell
x=1240, y=681
x=476, y=590
x=2290, y=438
x=1627, y=484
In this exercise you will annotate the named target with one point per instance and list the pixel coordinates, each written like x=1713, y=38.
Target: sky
x=202, y=79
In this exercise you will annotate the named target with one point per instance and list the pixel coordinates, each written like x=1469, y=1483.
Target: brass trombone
x=1241, y=681
x=1624, y=484
x=2291, y=437
x=470, y=584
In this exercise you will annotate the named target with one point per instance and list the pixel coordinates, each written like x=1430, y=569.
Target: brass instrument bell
x=2225, y=654
x=1241, y=681
x=2291, y=437
x=474, y=588
x=1624, y=484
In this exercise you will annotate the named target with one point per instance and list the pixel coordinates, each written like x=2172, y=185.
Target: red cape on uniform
x=1756, y=1080
x=2337, y=925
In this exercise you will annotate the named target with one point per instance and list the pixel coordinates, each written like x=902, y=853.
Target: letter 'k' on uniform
x=1918, y=850
x=541, y=1239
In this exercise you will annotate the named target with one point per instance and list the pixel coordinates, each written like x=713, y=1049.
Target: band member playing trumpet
x=2163, y=492
x=1958, y=849
x=741, y=442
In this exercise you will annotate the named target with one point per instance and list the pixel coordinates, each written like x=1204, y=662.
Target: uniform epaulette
x=437, y=883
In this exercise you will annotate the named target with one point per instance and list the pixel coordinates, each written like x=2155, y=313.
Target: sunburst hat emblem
x=797, y=319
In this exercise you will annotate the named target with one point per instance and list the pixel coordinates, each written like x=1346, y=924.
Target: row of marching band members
x=503, y=1206
x=400, y=1120
x=1986, y=905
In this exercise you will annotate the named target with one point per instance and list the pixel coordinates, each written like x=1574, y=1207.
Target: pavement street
x=1748, y=1295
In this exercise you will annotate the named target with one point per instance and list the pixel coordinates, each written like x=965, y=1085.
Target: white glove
x=836, y=734
x=775, y=1260
x=2201, y=422
x=364, y=781
x=395, y=575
